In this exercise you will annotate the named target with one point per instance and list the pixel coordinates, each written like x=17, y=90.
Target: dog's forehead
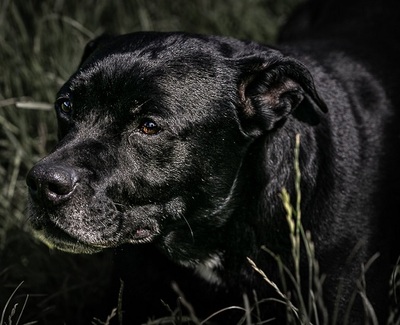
x=138, y=68
x=156, y=55
x=150, y=45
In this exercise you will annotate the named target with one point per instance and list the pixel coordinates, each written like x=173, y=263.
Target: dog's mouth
x=90, y=228
x=55, y=236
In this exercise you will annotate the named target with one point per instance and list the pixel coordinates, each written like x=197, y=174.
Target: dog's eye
x=65, y=105
x=149, y=127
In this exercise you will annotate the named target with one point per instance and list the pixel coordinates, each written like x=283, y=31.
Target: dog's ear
x=93, y=45
x=270, y=90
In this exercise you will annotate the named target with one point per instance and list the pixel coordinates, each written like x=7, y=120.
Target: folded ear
x=272, y=89
x=93, y=45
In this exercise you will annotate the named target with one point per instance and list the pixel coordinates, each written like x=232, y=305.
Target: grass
x=313, y=310
x=41, y=43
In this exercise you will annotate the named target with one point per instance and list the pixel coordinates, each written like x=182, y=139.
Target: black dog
x=174, y=150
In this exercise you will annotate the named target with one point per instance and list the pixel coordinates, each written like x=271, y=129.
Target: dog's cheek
x=160, y=166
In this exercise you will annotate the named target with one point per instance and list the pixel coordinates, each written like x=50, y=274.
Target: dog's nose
x=52, y=184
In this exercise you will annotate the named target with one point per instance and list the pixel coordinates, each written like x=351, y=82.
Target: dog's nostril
x=51, y=184
x=60, y=183
x=58, y=188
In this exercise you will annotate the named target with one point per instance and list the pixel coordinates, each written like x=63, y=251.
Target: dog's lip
x=143, y=234
x=66, y=243
x=55, y=237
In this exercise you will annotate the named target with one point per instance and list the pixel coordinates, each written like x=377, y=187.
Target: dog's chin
x=66, y=243
x=56, y=238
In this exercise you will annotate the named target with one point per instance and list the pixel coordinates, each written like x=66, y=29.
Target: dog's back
x=365, y=35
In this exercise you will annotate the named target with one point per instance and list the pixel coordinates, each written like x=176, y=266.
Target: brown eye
x=149, y=127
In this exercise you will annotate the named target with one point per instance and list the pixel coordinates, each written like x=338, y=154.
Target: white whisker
x=190, y=228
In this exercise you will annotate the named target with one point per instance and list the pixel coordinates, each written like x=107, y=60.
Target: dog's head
x=153, y=129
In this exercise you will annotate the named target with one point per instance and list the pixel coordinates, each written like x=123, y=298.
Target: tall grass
x=314, y=307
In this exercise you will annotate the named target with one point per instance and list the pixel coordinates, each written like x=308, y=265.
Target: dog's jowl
x=174, y=150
